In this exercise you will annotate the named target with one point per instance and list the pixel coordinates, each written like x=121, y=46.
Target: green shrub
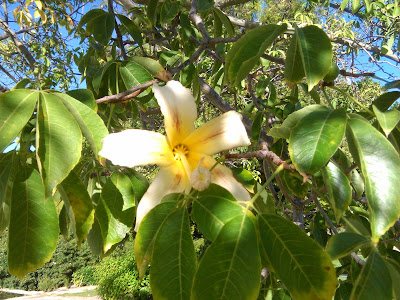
x=84, y=276
x=48, y=284
x=118, y=278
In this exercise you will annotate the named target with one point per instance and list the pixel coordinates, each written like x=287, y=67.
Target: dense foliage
x=306, y=204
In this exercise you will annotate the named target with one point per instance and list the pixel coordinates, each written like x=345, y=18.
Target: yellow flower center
x=179, y=151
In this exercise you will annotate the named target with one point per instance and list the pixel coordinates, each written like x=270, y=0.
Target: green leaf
x=102, y=28
x=174, y=260
x=231, y=266
x=152, y=11
x=90, y=15
x=63, y=222
x=284, y=130
x=256, y=126
x=246, y=52
x=134, y=74
x=58, y=141
x=344, y=4
x=84, y=96
x=33, y=231
x=245, y=178
x=125, y=187
x=132, y=29
x=380, y=167
x=224, y=20
x=384, y=101
x=211, y=213
x=394, y=269
x=78, y=205
x=344, y=243
x=314, y=50
x=152, y=66
x=147, y=233
x=114, y=212
x=16, y=108
x=355, y=6
x=298, y=261
x=315, y=139
x=374, y=281
x=387, y=120
x=339, y=190
x=91, y=125
x=294, y=182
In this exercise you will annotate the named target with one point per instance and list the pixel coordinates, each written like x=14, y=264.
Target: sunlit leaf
x=380, y=167
x=16, y=108
x=33, y=231
x=211, y=213
x=315, y=139
x=231, y=266
x=388, y=119
x=58, y=141
x=299, y=261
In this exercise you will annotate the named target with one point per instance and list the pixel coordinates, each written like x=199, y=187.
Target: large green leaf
x=380, y=167
x=384, y=101
x=33, y=231
x=231, y=266
x=299, y=261
x=344, y=243
x=246, y=52
x=388, y=119
x=78, y=205
x=315, y=139
x=313, y=48
x=173, y=263
x=131, y=28
x=92, y=126
x=284, y=130
x=211, y=213
x=152, y=66
x=115, y=212
x=102, y=27
x=147, y=232
x=58, y=141
x=374, y=281
x=394, y=269
x=134, y=74
x=338, y=187
x=16, y=108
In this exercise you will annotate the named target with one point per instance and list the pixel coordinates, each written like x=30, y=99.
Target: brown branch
x=198, y=21
x=119, y=36
x=262, y=154
x=356, y=75
x=121, y=96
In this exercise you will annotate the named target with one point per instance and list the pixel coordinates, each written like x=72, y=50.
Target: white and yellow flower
x=179, y=152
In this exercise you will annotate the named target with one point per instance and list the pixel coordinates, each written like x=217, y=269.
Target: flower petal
x=223, y=176
x=169, y=180
x=135, y=147
x=179, y=109
x=222, y=133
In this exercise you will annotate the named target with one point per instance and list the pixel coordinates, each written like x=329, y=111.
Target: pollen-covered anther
x=179, y=150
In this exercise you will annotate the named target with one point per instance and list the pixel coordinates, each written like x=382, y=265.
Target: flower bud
x=200, y=178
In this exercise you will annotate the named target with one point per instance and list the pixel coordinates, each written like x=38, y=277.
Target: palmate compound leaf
x=174, y=262
x=33, y=231
x=91, y=125
x=78, y=205
x=338, y=188
x=298, y=261
x=315, y=139
x=231, y=266
x=58, y=141
x=374, y=281
x=380, y=167
x=16, y=108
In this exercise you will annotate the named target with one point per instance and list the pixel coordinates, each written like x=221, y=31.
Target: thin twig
x=119, y=36
x=118, y=97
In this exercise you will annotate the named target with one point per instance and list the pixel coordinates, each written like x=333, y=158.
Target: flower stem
x=277, y=171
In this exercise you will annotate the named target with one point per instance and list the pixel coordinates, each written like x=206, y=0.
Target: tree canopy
x=274, y=124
